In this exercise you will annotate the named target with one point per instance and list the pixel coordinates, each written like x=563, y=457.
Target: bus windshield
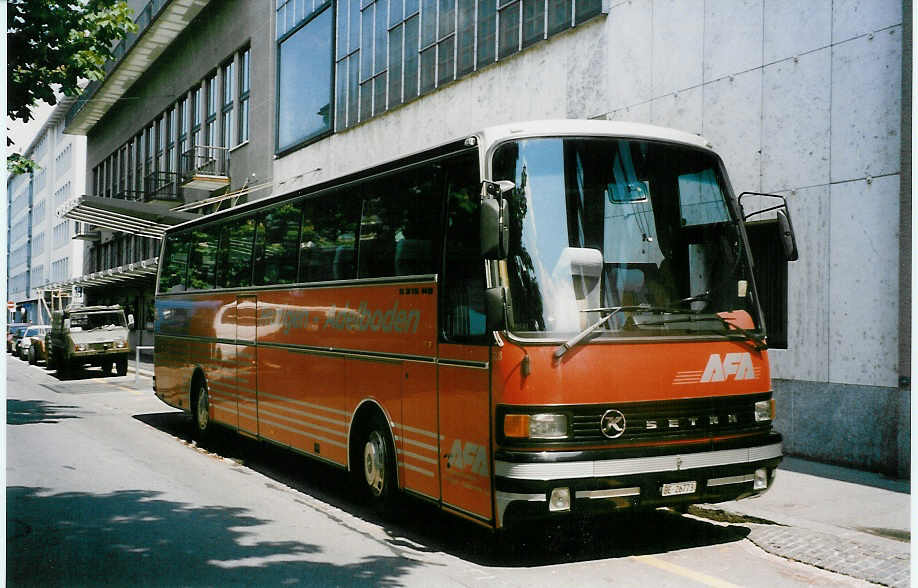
x=637, y=229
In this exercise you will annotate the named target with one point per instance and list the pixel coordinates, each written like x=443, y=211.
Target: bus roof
x=590, y=128
x=485, y=137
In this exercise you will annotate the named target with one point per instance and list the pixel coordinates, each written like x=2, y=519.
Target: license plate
x=677, y=488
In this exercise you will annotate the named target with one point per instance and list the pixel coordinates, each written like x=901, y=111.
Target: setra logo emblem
x=612, y=424
x=738, y=365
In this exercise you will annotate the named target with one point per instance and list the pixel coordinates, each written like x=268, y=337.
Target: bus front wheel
x=201, y=410
x=377, y=463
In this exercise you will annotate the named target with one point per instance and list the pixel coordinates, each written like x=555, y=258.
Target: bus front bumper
x=538, y=485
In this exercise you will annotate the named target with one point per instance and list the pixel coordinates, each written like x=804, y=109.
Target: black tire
x=200, y=408
x=121, y=366
x=32, y=359
x=107, y=367
x=50, y=360
x=374, y=465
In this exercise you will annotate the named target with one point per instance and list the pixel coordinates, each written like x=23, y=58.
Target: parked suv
x=95, y=335
x=28, y=338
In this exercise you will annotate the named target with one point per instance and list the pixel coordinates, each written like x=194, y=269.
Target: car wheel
x=121, y=366
x=32, y=359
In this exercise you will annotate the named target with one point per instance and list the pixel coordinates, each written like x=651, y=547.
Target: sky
x=21, y=133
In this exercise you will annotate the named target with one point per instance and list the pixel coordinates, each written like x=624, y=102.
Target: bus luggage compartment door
x=465, y=440
x=246, y=364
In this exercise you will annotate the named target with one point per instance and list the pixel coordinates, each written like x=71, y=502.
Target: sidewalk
x=846, y=521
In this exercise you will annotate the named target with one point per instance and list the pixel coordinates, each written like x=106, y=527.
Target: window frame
x=317, y=12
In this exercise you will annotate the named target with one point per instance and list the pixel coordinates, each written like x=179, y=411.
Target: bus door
x=246, y=364
x=463, y=370
x=465, y=428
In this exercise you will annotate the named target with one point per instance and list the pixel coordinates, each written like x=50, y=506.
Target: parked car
x=31, y=335
x=14, y=332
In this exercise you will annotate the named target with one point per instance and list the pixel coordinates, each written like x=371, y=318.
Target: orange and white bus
x=538, y=319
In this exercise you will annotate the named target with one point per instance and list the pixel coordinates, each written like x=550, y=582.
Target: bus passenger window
x=400, y=216
x=175, y=264
x=234, y=268
x=463, y=271
x=328, y=238
x=203, y=258
x=276, y=245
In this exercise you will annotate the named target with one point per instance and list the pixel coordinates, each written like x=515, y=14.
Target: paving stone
x=870, y=562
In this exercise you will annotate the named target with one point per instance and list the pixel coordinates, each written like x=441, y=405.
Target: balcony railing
x=205, y=168
x=161, y=186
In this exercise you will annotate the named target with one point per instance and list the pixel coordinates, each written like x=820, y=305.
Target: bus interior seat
x=413, y=257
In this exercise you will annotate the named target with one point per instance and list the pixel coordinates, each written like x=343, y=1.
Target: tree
x=54, y=44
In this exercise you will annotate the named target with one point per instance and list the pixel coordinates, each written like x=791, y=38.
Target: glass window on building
x=305, y=78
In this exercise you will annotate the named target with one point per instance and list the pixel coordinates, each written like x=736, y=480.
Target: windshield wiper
x=758, y=343
x=612, y=310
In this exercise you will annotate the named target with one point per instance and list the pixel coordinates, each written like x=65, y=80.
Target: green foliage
x=17, y=164
x=53, y=44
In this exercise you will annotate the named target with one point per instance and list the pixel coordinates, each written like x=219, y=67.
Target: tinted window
x=203, y=260
x=277, y=245
x=401, y=215
x=328, y=240
x=234, y=268
x=463, y=269
x=174, y=264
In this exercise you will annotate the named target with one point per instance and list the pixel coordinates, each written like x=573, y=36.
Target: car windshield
x=96, y=320
x=644, y=227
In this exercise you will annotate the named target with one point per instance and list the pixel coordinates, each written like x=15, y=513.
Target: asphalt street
x=105, y=486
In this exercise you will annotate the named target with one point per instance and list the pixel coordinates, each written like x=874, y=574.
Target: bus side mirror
x=782, y=215
x=495, y=219
x=496, y=309
x=786, y=234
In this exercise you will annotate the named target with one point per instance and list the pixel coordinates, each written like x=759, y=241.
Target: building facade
x=213, y=103
x=42, y=248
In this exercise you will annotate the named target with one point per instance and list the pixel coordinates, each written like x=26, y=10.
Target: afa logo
x=470, y=457
x=738, y=365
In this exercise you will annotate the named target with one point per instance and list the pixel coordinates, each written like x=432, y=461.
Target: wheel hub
x=374, y=463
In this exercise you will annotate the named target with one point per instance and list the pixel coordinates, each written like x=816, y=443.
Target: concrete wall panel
x=793, y=27
x=639, y=113
x=678, y=45
x=851, y=18
x=795, y=111
x=807, y=355
x=680, y=110
x=629, y=68
x=842, y=424
x=733, y=124
x=864, y=282
x=732, y=37
x=866, y=102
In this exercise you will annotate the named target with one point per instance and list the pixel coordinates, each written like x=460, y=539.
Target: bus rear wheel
x=377, y=464
x=201, y=409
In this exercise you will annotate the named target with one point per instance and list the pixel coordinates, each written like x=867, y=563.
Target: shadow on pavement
x=421, y=526
x=133, y=537
x=842, y=474
x=32, y=412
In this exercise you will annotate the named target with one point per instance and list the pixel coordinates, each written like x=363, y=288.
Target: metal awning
x=122, y=275
x=146, y=219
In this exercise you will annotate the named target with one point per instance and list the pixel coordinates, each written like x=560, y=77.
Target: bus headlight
x=80, y=347
x=765, y=410
x=535, y=426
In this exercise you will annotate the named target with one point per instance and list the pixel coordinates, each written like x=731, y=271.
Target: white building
x=43, y=250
